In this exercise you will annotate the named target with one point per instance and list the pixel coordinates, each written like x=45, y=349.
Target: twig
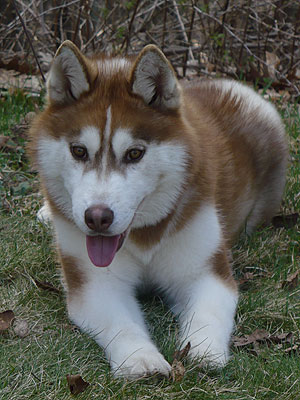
x=164, y=26
x=245, y=33
x=248, y=50
x=127, y=38
x=97, y=33
x=294, y=39
x=189, y=38
x=29, y=40
x=77, y=22
x=183, y=29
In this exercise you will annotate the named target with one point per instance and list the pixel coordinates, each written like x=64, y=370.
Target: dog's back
x=247, y=147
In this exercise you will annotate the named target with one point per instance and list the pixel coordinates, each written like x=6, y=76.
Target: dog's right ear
x=70, y=76
x=154, y=80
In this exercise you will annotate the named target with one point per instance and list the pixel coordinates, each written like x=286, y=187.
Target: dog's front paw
x=213, y=355
x=142, y=364
x=44, y=214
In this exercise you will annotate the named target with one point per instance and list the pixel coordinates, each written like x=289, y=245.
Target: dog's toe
x=142, y=365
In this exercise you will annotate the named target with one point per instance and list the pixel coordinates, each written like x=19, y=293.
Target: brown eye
x=79, y=152
x=134, y=155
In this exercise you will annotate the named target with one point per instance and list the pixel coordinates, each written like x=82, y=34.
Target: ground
x=34, y=365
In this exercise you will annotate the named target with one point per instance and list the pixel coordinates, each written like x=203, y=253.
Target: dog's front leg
x=207, y=318
x=108, y=310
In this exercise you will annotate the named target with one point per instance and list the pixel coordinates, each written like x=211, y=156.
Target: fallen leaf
x=3, y=140
x=258, y=335
x=272, y=61
x=244, y=281
x=282, y=338
x=21, y=328
x=46, y=286
x=291, y=282
x=292, y=349
x=6, y=319
x=76, y=384
x=179, y=355
x=177, y=368
x=285, y=221
x=177, y=371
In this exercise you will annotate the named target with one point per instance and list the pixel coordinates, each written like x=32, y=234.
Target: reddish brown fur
x=72, y=273
x=222, y=161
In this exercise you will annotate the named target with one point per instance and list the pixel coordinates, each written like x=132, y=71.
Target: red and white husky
x=148, y=182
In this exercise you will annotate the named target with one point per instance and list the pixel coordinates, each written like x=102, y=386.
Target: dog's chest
x=182, y=256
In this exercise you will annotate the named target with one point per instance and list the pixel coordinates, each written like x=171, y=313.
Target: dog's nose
x=98, y=218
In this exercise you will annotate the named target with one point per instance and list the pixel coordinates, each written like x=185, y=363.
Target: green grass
x=35, y=367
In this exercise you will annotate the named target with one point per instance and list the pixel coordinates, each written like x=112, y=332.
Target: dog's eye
x=79, y=152
x=134, y=155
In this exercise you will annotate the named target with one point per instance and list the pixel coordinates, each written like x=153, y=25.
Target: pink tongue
x=102, y=249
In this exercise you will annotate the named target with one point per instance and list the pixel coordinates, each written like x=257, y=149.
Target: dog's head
x=109, y=146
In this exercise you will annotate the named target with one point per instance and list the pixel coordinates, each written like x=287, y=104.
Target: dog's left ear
x=153, y=78
x=70, y=76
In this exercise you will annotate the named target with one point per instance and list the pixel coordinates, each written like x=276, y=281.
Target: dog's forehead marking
x=107, y=128
x=105, y=141
x=121, y=140
x=90, y=137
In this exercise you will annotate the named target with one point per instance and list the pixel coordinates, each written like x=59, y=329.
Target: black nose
x=98, y=218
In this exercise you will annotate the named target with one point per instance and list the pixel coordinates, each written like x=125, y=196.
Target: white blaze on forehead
x=106, y=136
x=107, y=129
x=121, y=141
x=90, y=137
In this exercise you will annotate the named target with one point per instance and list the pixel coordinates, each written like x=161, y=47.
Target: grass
x=35, y=367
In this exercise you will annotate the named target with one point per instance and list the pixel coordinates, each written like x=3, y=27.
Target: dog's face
x=107, y=160
x=137, y=178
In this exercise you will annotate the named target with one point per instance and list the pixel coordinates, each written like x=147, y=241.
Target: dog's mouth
x=102, y=249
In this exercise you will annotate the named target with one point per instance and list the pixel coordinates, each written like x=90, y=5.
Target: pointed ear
x=153, y=78
x=70, y=76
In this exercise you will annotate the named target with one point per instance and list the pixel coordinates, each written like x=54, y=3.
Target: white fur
x=106, y=135
x=207, y=319
x=141, y=196
x=44, y=214
x=252, y=102
x=90, y=137
x=106, y=306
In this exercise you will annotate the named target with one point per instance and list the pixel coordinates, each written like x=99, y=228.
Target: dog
x=148, y=182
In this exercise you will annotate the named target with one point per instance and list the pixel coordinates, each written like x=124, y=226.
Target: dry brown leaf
x=282, y=338
x=273, y=61
x=177, y=371
x=3, y=140
x=76, y=384
x=6, y=319
x=257, y=336
x=177, y=368
x=291, y=282
x=180, y=355
x=292, y=350
x=46, y=286
x=285, y=221
x=244, y=281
